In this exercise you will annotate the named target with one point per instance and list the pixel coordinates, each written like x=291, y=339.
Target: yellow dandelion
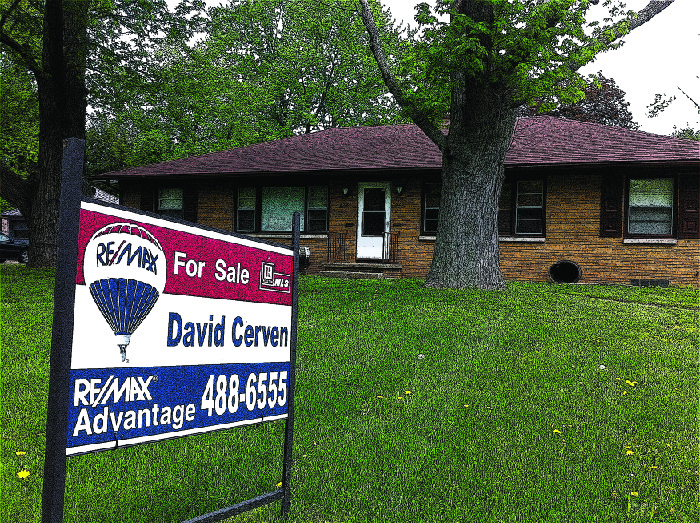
x=557, y=430
x=668, y=445
x=629, y=452
x=654, y=467
x=380, y=397
x=624, y=392
x=617, y=378
x=466, y=405
x=635, y=493
x=23, y=474
x=408, y=392
x=400, y=397
x=20, y=453
x=279, y=484
x=631, y=383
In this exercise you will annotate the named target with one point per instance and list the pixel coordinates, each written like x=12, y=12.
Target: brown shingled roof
x=538, y=140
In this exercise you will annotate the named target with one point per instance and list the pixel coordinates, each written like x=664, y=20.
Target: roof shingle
x=538, y=140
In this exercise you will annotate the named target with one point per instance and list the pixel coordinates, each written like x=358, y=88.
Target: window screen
x=651, y=206
x=432, y=207
x=374, y=212
x=278, y=206
x=170, y=202
x=317, y=208
x=528, y=208
x=505, y=203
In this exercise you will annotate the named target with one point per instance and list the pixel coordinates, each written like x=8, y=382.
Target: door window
x=374, y=212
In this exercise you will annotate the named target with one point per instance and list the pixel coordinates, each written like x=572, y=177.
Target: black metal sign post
x=62, y=346
x=62, y=335
x=285, y=493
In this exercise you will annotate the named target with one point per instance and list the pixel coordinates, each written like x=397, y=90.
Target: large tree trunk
x=62, y=103
x=45, y=186
x=466, y=248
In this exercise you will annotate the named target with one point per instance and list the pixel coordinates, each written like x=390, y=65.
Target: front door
x=373, y=219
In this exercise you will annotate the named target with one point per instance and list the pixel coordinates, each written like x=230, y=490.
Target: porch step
x=362, y=270
x=356, y=275
x=362, y=266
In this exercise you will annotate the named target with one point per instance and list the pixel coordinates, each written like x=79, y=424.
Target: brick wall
x=572, y=230
x=573, y=211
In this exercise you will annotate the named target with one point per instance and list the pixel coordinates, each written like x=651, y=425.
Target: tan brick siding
x=130, y=194
x=572, y=230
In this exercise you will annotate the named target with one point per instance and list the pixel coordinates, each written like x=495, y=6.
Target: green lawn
x=412, y=404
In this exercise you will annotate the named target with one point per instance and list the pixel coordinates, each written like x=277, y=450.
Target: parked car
x=13, y=249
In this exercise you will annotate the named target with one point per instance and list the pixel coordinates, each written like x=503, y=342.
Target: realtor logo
x=121, y=268
x=274, y=281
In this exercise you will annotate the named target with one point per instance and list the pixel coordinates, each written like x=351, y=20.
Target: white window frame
x=630, y=222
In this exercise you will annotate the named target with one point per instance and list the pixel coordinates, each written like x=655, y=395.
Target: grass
x=412, y=404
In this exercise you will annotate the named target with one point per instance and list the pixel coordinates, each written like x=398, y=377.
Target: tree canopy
x=265, y=70
x=54, y=41
x=19, y=118
x=603, y=103
x=491, y=58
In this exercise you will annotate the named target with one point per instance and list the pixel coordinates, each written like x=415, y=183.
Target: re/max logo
x=107, y=256
x=89, y=392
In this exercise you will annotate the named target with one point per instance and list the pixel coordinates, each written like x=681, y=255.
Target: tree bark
x=45, y=186
x=466, y=253
x=62, y=105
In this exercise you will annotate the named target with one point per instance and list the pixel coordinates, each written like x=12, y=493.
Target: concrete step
x=362, y=266
x=355, y=275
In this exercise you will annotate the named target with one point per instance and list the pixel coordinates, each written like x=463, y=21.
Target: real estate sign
x=163, y=328
x=178, y=330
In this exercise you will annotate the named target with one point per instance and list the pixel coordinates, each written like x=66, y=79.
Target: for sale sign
x=178, y=330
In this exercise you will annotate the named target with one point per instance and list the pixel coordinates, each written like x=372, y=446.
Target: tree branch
x=418, y=116
x=3, y=19
x=689, y=98
x=653, y=8
x=24, y=51
x=13, y=188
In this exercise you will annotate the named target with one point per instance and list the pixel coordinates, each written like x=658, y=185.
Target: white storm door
x=373, y=218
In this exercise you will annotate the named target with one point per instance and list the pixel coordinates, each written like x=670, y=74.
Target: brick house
x=581, y=202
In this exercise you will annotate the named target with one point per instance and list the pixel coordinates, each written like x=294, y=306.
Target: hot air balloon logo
x=124, y=266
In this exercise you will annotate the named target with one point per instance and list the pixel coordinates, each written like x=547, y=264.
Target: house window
x=317, y=208
x=521, y=199
x=431, y=207
x=277, y=206
x=520, y=208
x=246, y=209
x=528, y=207
x=170, y=202
x=651, y=206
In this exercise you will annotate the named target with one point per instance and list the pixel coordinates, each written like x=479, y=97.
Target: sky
x=658, y=57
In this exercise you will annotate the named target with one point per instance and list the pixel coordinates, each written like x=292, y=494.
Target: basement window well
x=565, y=271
